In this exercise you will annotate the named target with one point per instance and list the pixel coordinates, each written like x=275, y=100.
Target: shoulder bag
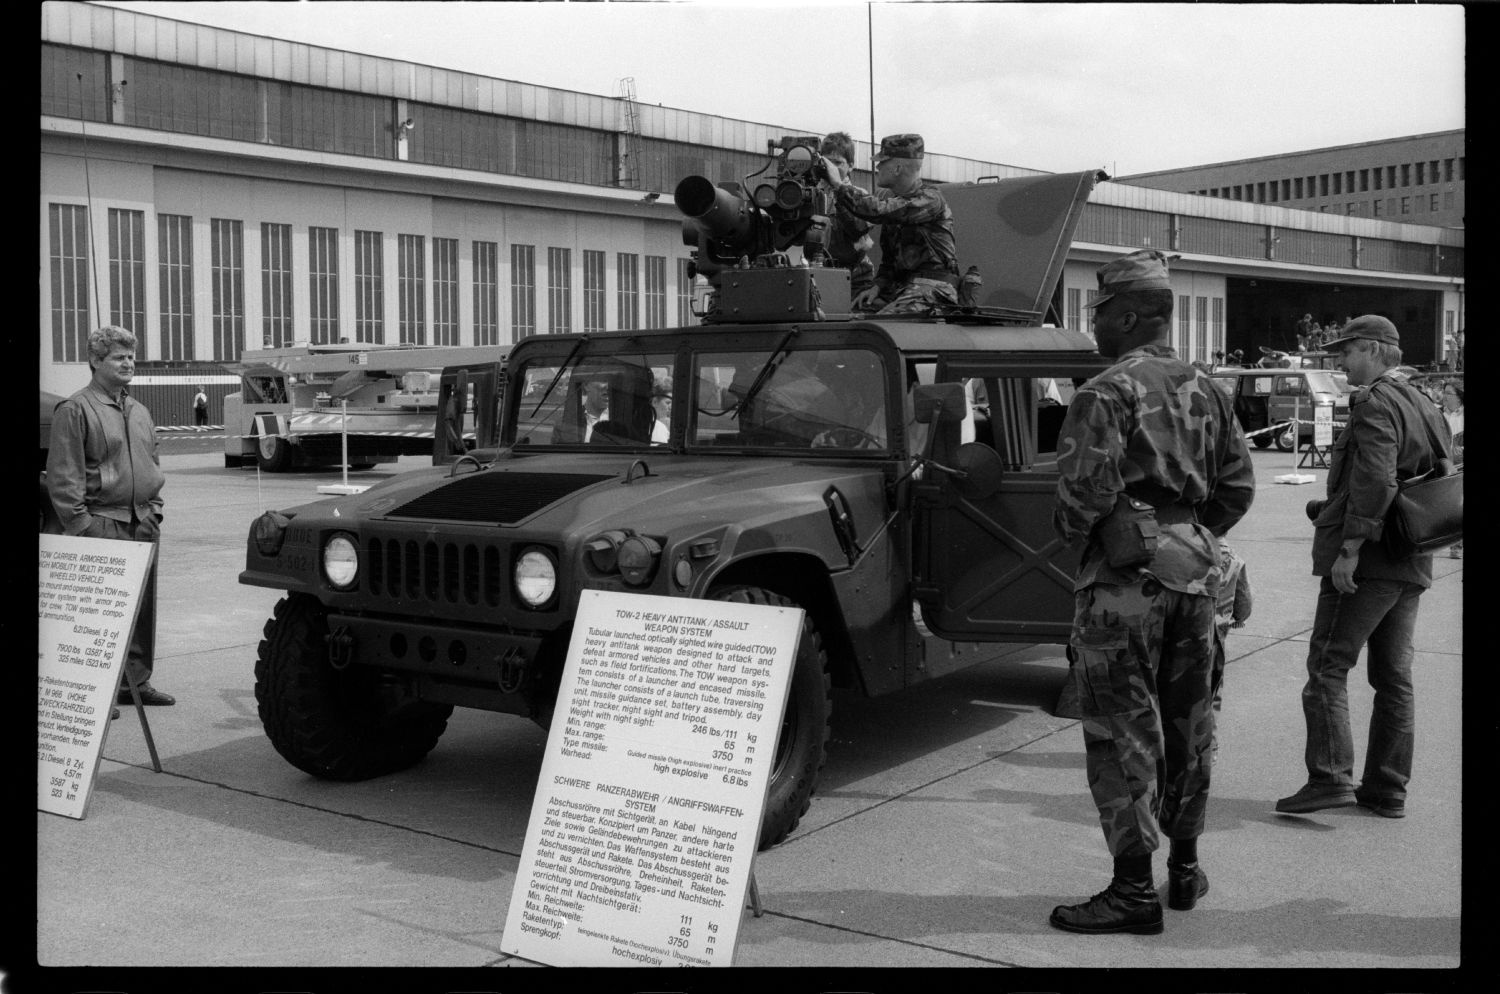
x=1428, y=511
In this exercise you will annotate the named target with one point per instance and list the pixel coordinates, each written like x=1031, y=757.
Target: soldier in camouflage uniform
x=849, y=240
x=918, y=259
x=1153, y=468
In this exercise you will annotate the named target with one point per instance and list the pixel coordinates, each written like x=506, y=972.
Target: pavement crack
x=867, y=934
x=324, y=810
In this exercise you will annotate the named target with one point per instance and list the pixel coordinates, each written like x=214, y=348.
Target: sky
x=1129, y=88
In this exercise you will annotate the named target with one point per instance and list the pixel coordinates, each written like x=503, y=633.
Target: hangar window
x=628, y=290
x=227, y=276
x=522, y=291
x=486, y=293
x=411, y=283
x=445, y=291
x=276, y=283
x=175, y=267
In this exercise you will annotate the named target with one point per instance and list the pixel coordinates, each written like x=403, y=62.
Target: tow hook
x=512, y=670
x=340, y=647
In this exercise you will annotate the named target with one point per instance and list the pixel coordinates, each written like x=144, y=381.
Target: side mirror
x=939, y=402
x=980, y=470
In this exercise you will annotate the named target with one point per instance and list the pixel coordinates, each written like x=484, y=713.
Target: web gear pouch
x=1129, y=534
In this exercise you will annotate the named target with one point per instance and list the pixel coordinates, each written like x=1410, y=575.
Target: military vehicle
x=892, y=476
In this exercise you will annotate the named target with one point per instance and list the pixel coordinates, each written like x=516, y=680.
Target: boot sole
x=1177, y=903
x=1307, y=809
x=1143, y=928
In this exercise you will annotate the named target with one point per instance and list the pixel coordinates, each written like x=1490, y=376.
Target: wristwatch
x=1345, y=552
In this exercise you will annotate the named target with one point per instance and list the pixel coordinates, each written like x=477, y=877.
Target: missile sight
x=753, y=223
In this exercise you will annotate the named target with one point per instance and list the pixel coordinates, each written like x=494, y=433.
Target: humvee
x=892, y=476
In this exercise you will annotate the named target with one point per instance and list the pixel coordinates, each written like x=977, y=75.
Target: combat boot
x=1186, y=881
x=1128, y=904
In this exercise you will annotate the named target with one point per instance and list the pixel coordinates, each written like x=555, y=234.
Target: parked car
x=1264, y=398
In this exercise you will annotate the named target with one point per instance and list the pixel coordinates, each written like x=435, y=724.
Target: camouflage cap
x=1145, y=269
x=1371, y=327
x=900, y=147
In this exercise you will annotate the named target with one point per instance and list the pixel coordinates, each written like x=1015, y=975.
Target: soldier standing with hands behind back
x=918, y=258
x=1153, y=468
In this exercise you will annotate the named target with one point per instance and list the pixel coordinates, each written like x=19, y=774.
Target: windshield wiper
x=582, y=341
x=777, y=354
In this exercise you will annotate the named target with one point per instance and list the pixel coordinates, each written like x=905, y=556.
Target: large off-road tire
x=273, y=454
x=802, y=745
x=335, y=724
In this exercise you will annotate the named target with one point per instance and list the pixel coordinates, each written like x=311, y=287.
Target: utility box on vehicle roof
x=894, y=477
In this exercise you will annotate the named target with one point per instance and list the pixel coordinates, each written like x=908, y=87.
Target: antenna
x=870, y=44
x=88, y=194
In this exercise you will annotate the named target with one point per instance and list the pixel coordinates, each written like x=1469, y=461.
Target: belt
x=1177, y=514
x=931, y=274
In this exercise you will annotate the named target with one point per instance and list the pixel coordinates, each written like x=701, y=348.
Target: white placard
x=648, y=808
x=1322, y=426
x=88, y=595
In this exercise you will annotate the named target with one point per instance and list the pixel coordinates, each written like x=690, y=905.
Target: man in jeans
x=104, y=480
x=1366, y=595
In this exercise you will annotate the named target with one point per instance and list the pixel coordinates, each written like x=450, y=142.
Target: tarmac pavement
x=949, y=821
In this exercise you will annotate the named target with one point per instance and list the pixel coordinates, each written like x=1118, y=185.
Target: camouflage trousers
x=917, y=296
x=1144, y=661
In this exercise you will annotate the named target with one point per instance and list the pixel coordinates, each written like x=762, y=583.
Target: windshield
x=830, y=399
x=810, y=399
x=618, y=399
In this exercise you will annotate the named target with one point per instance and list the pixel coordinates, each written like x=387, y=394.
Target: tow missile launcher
x=742, y=233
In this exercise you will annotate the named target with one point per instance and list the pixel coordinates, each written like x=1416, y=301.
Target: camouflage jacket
x=1389, y=438
x=1153, y=427
x=916, y=233
x=849, y=244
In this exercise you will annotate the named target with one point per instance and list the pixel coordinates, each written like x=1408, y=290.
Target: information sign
x=1323, y=426
x=648, y=808
x=88, y=592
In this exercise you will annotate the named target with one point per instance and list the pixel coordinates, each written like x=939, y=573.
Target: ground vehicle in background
x=781, y=453
x=296, y=404
x=1265, y=398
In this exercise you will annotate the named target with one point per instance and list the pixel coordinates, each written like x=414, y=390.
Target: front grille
x=495, y=498
x=456, y=573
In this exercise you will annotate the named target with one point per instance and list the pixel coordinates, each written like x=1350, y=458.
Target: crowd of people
x=1314, y=337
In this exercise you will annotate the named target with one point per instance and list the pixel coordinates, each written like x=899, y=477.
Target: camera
x=1315, y=508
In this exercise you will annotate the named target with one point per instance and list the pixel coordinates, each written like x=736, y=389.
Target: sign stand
x=89, y=594
x=140, y=709
x=1296, y=429
x=344, y=488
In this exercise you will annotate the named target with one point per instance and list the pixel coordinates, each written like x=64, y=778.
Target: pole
x=870, y=44
x=1296, y=428
x=344, y=435
x=88, y=194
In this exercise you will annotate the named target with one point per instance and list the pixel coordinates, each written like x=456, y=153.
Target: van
x=1264, y=398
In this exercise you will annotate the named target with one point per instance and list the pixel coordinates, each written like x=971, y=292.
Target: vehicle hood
x=568, y=495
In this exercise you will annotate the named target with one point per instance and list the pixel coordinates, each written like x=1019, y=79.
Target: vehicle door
x=987, y=565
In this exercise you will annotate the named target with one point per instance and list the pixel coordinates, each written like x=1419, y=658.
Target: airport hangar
x=213, y=190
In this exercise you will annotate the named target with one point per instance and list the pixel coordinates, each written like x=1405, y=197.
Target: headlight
x=535, y=577
x=638, y=557
x=341, y=561
x=269, y=531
